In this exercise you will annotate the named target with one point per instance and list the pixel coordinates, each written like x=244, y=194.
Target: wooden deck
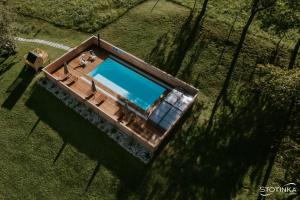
x=135, y=123
x=138, y=126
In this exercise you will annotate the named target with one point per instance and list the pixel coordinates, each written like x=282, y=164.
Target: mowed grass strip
x=86, y=16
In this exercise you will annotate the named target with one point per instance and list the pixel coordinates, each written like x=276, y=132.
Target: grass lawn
x=87, y=16
x=49, y=152
x=226, y=11
x=47, y=148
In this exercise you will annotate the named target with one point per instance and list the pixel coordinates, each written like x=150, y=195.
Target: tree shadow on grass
x=93, y=175
x=215, y=165
x=63, y=146
x=200, y=46
x=172, y=49
x=5, y=66
x=86, y=138
x=34, y=127
x=18, y=87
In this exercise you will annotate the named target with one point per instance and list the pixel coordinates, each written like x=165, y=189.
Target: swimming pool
x=126, y=82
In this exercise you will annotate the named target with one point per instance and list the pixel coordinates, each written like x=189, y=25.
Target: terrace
x=146, y=116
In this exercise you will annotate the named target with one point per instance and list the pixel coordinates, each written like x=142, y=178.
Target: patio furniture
x=99, y=99
x=120, y=113
x=92, y=91
x=92, y=56
x=131, y=118
x=64, y=77
x=71, y=80
x=66, y=73
x=82, y=62
x=139, y=124
x=89, y=94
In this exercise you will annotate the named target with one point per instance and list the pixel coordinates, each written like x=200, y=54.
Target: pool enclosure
x=137, y=98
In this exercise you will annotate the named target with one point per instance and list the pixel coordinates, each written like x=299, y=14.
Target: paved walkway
x=45, y=42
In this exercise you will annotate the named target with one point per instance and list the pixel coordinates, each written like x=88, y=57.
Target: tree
x=280, y=19
x=7, y=44
x=279, y=85
x=281, y=88
x=256, y=6
x=294, y=54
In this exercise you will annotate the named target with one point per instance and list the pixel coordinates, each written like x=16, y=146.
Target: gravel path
x=45, y=42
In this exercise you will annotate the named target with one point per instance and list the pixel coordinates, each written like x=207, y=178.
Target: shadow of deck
x=86, y=138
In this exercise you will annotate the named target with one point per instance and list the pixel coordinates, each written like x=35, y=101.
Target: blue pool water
x=129, y=84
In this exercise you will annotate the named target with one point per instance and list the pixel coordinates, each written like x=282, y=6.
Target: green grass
x=226, y=11
x=222, y=11
x=38, y=124
x=87, y=16
x=33, y=28
x=229, y=164
x=33, y=135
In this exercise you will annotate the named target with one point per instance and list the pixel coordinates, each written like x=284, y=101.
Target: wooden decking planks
x=110, y=107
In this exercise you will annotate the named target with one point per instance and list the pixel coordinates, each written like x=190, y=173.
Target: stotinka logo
x=290, y=188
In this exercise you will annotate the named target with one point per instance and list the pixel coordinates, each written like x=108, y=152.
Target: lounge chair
x=120, y=114
x=71, y=80
x=139, y=124
x=64, y=77
x=92, y=55
x=89, y=94
x=82, y=61
x=131, y=118
x=66, y=73
x=99, y=99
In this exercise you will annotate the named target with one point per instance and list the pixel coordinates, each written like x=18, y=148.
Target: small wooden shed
x=36, y=58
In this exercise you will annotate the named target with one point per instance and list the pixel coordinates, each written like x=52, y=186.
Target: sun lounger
x=98, y=99
x=82, y=61
x=121, y=115
x=66, y=73
x=122, y=111
x=71, y=80
x=64, y=77
x=139, y=124
x=131, y=118
x=89, y=94
x=92, y=55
